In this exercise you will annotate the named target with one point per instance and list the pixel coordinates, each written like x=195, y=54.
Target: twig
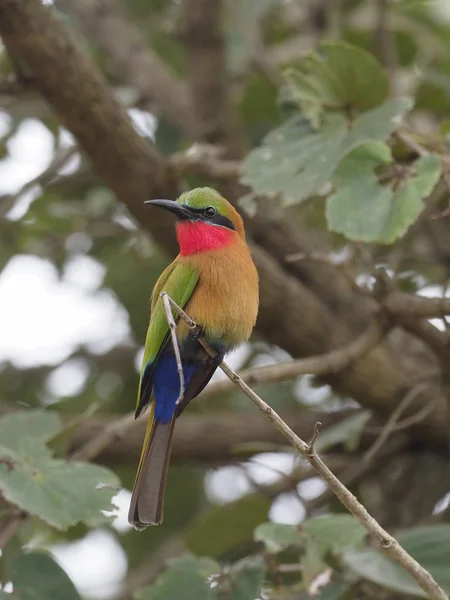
x=411, y=305
x=392, y=422
x=206, y=160
x=311, y=449
x=323, y=364
x=387, y=45
x=11, y=525
x=417, y=418
x=342, y=265
x=95, y=445
x=435, y=339
x=60, y=159
x=386, y=542
x=176, y=347
x=411, y=143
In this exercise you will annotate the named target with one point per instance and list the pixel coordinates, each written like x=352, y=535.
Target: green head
x=204, y=204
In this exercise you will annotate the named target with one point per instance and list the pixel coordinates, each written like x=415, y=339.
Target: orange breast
x=226, y=298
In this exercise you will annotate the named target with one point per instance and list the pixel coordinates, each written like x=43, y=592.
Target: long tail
x=147, y=501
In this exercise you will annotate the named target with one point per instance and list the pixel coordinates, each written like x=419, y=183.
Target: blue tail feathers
x=166, y=385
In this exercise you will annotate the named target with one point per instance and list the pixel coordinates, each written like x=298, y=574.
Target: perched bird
x=214, y=279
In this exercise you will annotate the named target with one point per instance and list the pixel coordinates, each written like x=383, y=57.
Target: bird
x=215, y=281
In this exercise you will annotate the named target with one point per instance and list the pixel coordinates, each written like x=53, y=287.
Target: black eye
x=210, y=211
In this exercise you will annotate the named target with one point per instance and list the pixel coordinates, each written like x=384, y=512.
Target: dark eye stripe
x=223, y=221
x=217, y=219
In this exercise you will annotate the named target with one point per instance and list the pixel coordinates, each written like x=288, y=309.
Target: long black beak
x=181, y=212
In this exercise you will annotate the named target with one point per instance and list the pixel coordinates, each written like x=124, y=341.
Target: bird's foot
x=197, y=332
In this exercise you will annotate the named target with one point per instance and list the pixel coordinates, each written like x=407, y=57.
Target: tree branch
x=68, y=80
x=411, y=305
x=205, y=160
x=325, y=364
x=201, y=32
x=106, y=23
x=383, y=539
x=208, y=439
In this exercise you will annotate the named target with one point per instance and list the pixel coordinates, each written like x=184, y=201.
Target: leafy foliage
x=59, y=492
x=429, y=545
x=334, y=533
x=225, y=527
x=277, y=536
x=36, y=575
x=203, y=579
x=298, y=162
x=382, y=213
x=341, y=77
x=185, y=577
x=338, y=143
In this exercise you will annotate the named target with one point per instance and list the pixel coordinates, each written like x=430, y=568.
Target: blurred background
x=79, y=258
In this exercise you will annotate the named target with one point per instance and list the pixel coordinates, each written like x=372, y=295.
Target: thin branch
x=107, y=436
x=60, y=159
x=342, y=265
x=417, y=418
x=386, y=542
x=325, y=364
x=205, y=160
x=311, y=449
x=411, y=305
x=176, y=347
x=435, y=339
x=10, y=524
x=392, y=422
x=211, y=439
x=386, y=42
x=410, y=143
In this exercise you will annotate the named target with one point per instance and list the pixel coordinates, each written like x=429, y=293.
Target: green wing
x=179, y=281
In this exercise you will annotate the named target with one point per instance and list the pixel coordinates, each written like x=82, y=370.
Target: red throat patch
x=196, y=236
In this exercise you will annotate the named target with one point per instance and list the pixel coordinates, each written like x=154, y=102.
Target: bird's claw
x=197, y=332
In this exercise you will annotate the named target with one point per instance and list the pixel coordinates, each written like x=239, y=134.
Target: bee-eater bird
x=214, y=279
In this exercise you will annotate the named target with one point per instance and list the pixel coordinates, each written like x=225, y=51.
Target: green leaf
x=430, y=546
x=341, y=77
x=186, y=577
x=364, y=210
x=334, y=532
x=377, y=568
x=242, y=582
x=334, y=591
x=5, y=596
x=297, y=162
x=277, y=536
x=36, y=575
x=346, y=431
x=61, y=493
x=36, y=424
x=226, y=527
